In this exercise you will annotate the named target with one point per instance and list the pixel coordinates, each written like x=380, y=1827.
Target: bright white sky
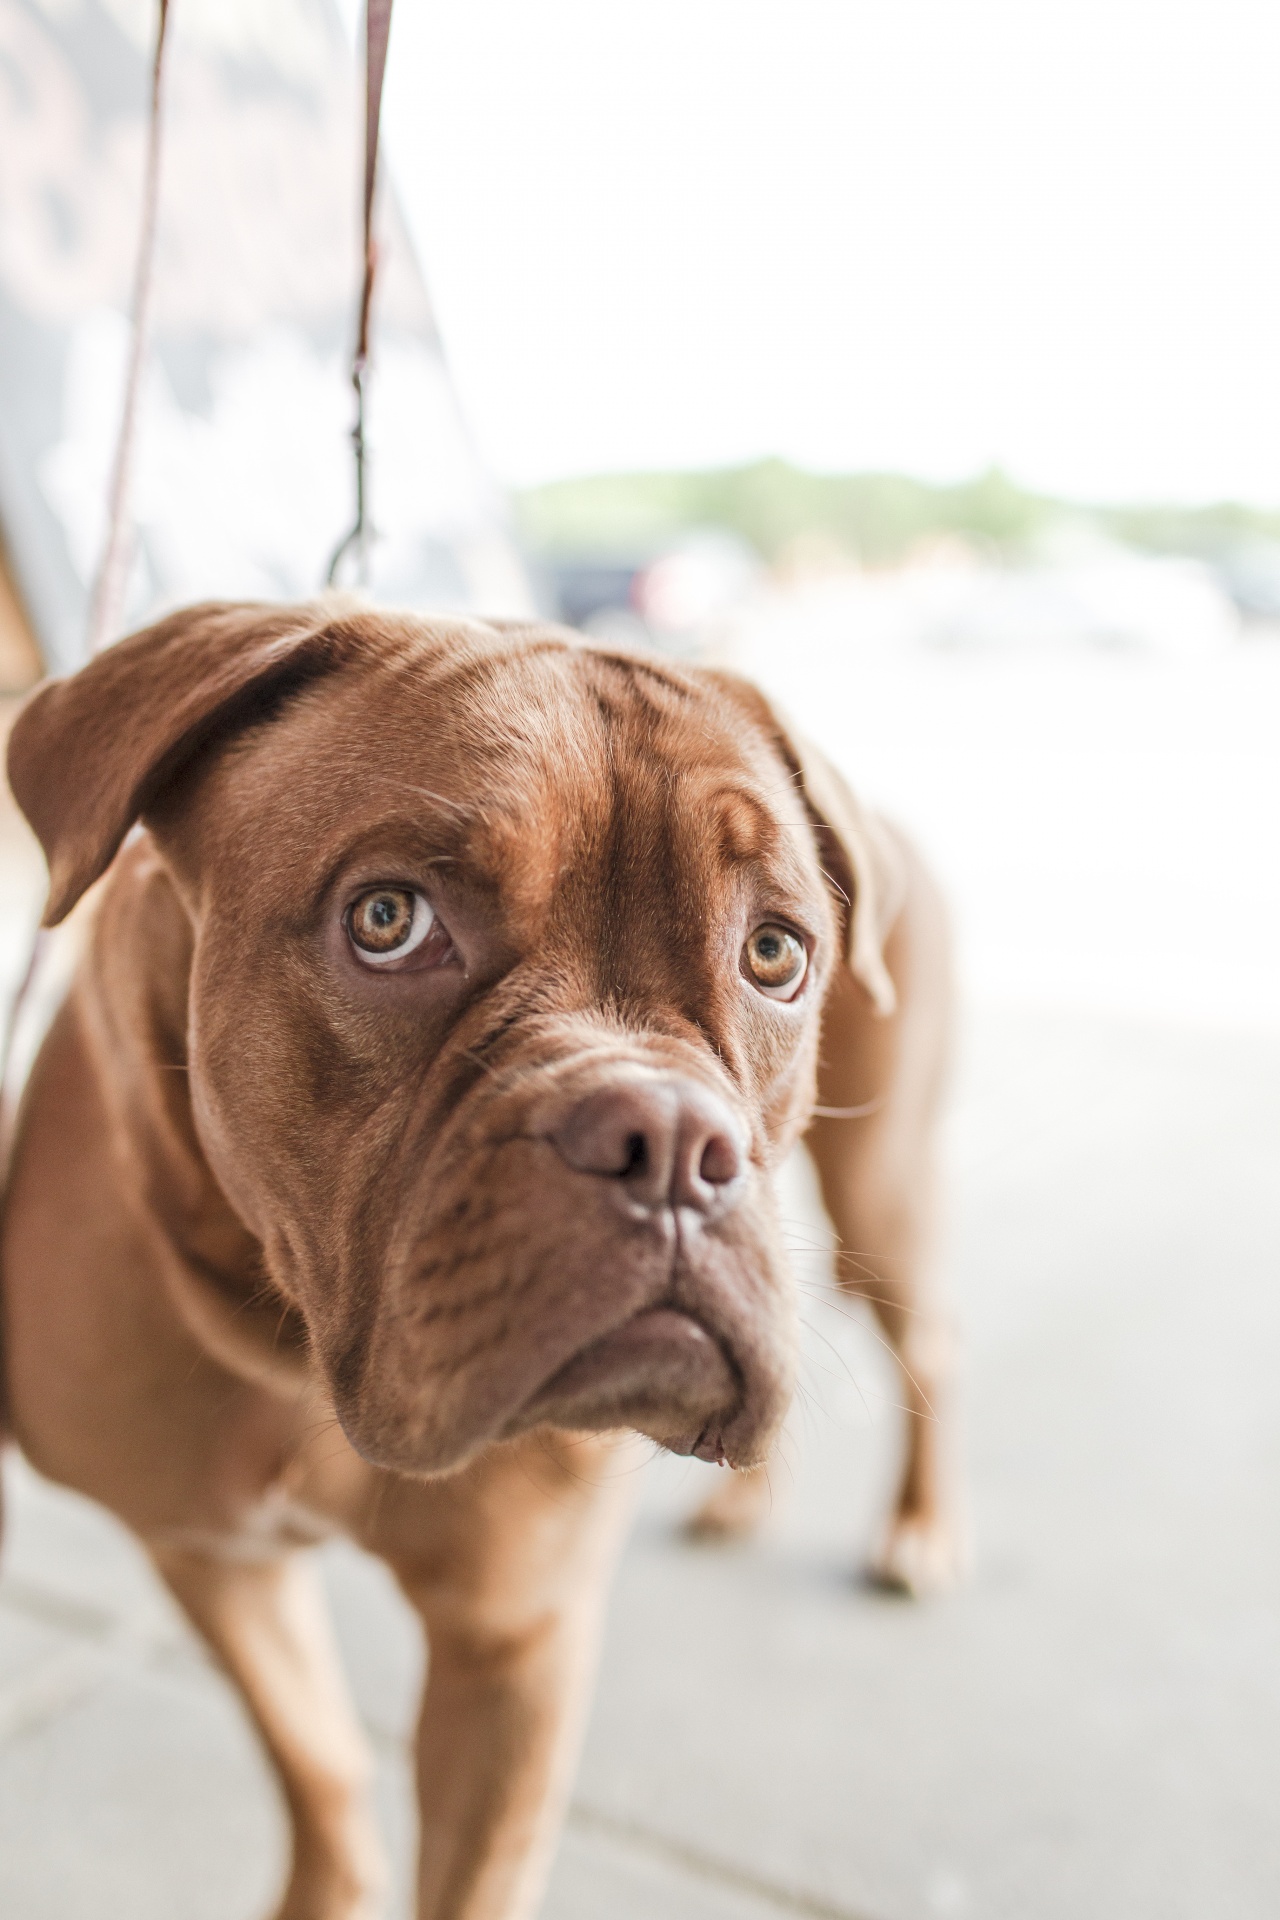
x=915, y=234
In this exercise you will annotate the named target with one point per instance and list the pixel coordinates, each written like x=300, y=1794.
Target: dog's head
x=509, y=956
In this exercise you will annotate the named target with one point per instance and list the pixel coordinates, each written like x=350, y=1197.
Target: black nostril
x=637, y=1160
x=720, y=1162
x=663, y=1141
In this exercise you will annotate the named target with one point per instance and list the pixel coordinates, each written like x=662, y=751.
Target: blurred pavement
x=1093, y=1726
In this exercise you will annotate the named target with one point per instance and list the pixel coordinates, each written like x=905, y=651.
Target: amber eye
x=775, y=961
x=387, y=923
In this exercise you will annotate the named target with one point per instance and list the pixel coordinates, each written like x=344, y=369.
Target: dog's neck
x=132, y=993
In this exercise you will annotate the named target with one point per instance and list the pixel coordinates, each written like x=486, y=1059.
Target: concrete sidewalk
x=1091, y=1729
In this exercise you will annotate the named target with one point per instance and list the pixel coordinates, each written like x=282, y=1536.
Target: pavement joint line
x=55, y=1684
x=101, y=1646
x=107, y=1638
x=56, y=1609
x=707, y=1866
x=103, y=1643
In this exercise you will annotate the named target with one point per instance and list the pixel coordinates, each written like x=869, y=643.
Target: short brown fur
x=290, y=1245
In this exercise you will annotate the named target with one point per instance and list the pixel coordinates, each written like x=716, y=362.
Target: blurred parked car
x=665, y=598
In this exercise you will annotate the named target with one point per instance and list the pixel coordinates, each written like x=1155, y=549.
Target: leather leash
x=377, y=34
x=111, y=585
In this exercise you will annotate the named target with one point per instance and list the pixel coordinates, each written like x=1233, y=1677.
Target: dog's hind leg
x=873, y=1147
x=267, y=1623
x=879, y=1185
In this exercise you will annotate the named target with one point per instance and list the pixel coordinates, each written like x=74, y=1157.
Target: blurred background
x=920, y=362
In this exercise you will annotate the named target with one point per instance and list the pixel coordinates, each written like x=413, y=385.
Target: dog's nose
x=666, y=1142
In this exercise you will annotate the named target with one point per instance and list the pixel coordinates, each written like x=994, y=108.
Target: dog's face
x=508, y=965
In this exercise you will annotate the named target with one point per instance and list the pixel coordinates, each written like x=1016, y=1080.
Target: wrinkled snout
x=662, y=1141
x=600, y=1253
x=700, y=1355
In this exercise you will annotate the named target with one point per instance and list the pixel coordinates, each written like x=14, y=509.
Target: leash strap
x=111, y=585
x=106, y=604
x=377, y=34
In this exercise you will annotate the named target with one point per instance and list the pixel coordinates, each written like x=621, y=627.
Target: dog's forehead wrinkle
x=504, y=779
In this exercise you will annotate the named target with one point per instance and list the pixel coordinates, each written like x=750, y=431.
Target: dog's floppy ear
x=88, y=754
x=858, y=855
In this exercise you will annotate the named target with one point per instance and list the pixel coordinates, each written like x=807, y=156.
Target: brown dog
x=406, y=1137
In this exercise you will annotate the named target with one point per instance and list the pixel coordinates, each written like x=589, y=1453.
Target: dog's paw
x=921, y=1555
x=734, y=1508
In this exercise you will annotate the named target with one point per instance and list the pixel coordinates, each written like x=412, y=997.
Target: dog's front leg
x=266, y=1621
x=512, y=1602
x=496, y=1747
